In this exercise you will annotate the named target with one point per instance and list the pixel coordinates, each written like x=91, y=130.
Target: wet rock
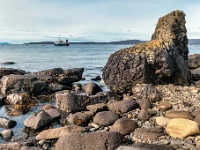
x=11, y=146
x=18, y=98
x=122, y=106
x=38, y=120
x=181, y=128
x=53, y=113
x=7, y=71
x=79, y=118
x=164, y=105
x=97, y=78
x=124, y=126
x=194, y=61
x=144, y=104
x=143, y=115
x=56, y=133
x=30, y=148
x=105, y=118
x=147, y=92
x=149, y=133
x=6, y=134
x=7, y=123
x=47, y=106
x=89, y=141
x=91, y=88
x=97, y=107
x=68, y=101
x=54, y=87
x=162, y=121
x=159, y=61
x=179, y=114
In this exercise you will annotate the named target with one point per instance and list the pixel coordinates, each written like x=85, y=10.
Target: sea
x=36, y=57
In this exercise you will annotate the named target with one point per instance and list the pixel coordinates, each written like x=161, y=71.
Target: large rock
x=89, y=141
x=159, y=61
x=37, y=120
x=45, y=81
x=91, y=88
x=181, y=128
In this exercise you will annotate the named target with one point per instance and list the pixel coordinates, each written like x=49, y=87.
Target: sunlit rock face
x=159, y=61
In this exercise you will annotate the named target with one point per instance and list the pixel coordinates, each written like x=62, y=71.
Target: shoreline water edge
x=145, y=97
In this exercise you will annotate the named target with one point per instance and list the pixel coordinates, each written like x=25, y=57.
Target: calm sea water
x=41, y=57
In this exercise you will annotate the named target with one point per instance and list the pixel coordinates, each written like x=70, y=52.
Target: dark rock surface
x=89, y=141
x=159, y=61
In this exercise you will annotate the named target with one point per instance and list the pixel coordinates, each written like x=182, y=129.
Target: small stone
x=162, y=121
x=179, y=114
x=41, y=142
x=105, y=118
x=143, y=115
x=6, y=134
x=48, y=106
x=181, y=128
x=124, y=126
x=53, y=113
x=91, y=88
x=7, y=123
x=164, y=105
x=46, y=146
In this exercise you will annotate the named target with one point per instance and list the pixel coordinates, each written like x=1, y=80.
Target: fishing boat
x=61, y=43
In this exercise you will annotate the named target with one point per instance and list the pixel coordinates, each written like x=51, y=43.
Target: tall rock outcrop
x=159, y=61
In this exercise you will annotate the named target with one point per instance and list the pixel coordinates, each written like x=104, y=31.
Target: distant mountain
x=194, y=42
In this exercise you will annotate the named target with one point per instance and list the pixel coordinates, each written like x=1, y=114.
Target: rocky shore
x=153, y=102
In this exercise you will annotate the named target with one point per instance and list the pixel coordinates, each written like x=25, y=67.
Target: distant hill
x=112, y=42
x=194, y=42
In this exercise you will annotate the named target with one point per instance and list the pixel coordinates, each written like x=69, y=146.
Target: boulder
x=124, y=126
x=181, y=128
x=101, y=97
x=197, y=119
x=7, y=123
x=56, y=133
x=7, y=71
x=91, y=88
x=159, y=61
x=122, y=106
x=105, y=118
x=38, y=120
x=89, y=141
x=18, y=98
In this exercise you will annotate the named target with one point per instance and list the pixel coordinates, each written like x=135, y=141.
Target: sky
x=90, y=20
